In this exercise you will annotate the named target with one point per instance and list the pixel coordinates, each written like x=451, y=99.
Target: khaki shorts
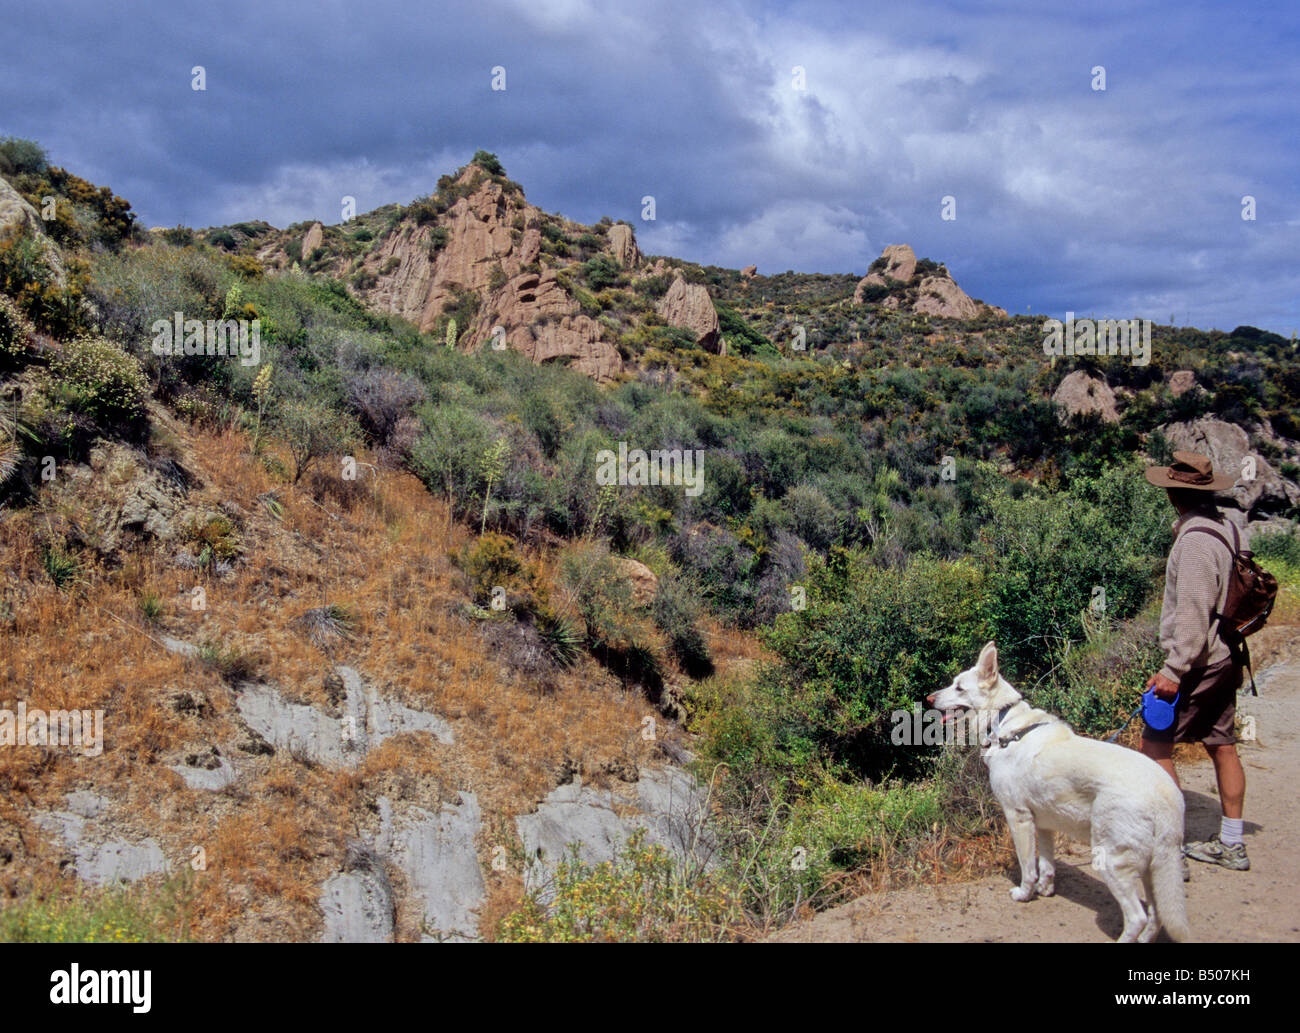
x=1206, y=707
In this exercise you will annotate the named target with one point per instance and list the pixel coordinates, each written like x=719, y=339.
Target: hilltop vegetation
x=874, y=507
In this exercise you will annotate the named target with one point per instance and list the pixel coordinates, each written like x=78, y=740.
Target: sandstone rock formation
x=314, y=238
x=689, y=305
x=544, y=322
x=1181, y=381
x=17, y=217
x=1080, y=392
x=939, y=296
x=900, y=265
x=935, y=295
x=622, y=245
x=748, y=271
x=1260, y=490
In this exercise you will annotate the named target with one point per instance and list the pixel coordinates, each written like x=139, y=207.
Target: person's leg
x=1163, y=754
x=1231, y=777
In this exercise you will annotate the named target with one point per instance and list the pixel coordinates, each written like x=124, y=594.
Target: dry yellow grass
x=381, y=552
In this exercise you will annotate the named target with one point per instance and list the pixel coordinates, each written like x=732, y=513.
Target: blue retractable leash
x=1156, y=712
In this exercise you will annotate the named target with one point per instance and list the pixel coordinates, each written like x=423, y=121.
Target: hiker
x=1200, y=669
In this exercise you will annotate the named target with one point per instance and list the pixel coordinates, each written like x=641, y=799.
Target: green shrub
x=143, y=913
x=15, y=336
x=314, y=429
x=102, y=381
x=872, y=641
x=642, y=896
x=18, y=157
x=676, y=611
x=488, y=162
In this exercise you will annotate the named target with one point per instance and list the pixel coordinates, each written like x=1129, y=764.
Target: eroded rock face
x=689, y=305
x=622, y=245
x=314, y=238
x=338, y=742
x=544, y=322
x=666, y=802
x=1082, y=393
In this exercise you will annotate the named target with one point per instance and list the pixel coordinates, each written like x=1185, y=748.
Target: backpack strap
x=1240, y=650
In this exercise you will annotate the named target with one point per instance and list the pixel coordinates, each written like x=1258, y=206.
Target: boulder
x=939, y=296
x=622, y=245
x=689, y=305
x=643, y=580
x=1260, y=490
x=1181, y=381
x=1080, y=392
x=900, y=265
x=748, y=271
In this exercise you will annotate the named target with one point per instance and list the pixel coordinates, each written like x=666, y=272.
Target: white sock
x=1229, y=831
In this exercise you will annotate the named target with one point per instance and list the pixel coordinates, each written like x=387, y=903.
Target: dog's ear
x=987, y=668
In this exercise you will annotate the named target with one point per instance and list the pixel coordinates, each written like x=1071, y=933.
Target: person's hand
x=1164, y=687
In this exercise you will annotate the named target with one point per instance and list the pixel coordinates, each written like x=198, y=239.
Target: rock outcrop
x=1181, y=381
x=935, y=294
x=17, y=217
x=1082, y=393
x=315, y=238
x=748, y=271
x=689, y=305
x=540, y=319
x=622, y=245
x=1260, y=490
x=642, y=579
x=939, y=296
x=900, y=266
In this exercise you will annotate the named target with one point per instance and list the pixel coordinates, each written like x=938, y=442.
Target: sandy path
x=1260, y=905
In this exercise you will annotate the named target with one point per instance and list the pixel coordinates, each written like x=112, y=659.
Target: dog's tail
x=1167, y=888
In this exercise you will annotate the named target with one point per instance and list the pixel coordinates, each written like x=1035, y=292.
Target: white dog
x=1050, y=780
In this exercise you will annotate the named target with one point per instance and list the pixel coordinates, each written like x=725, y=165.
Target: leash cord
x=1135, y=713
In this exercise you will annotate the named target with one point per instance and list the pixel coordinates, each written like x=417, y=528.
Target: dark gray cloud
x=1124, y=202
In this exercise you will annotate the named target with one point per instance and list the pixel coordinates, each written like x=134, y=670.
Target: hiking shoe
x=1214, y=851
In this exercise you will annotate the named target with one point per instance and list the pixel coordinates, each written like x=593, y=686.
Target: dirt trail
x=1259, y=905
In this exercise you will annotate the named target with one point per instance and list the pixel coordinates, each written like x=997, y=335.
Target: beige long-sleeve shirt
x=1196, y=589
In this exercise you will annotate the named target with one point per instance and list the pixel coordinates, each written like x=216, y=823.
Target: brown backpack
x=1252, y=590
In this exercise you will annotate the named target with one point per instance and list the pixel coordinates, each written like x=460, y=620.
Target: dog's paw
x=1022, y=894
x=1046, y=887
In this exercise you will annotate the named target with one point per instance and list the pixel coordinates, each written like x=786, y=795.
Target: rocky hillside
x=373, y=639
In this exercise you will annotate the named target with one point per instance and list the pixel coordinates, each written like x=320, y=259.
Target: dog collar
x=1004, y=743
x=1001, y=715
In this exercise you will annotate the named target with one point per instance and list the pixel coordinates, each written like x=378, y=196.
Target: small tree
x=313, y=430
x=451, y=333
x=488, y=162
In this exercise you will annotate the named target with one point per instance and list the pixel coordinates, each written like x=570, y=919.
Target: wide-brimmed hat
x=1189, y=470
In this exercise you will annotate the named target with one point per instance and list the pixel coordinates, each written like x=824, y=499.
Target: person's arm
x=1197, y=595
